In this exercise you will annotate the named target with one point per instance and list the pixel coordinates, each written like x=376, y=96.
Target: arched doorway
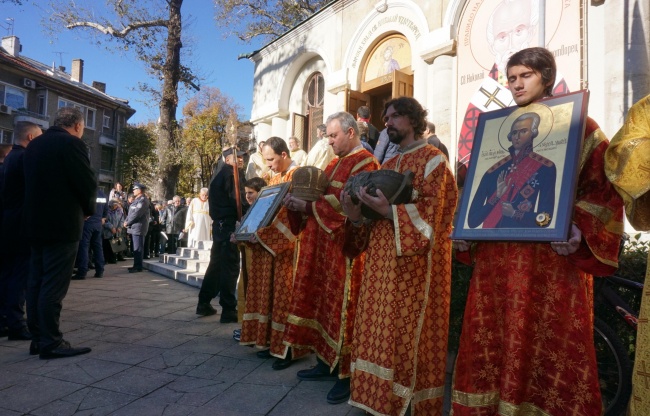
x=386, y=74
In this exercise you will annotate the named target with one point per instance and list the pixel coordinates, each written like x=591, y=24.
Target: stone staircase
x=187, y=266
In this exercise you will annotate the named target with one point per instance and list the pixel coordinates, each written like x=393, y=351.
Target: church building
x=450, y=55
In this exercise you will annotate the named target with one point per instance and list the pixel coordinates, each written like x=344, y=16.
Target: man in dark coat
x=223, y=270
x=174, y=223
x=137, y=224
x=92, y=238
x=57, y=169
x=14, y=247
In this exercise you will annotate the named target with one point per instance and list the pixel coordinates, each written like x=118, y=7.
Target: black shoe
x=112, y=262
x=229, y=317
x=146, y=258
x=264, y=354
x=282, y=363
x=34, y=349
x=319, y=373
x=99, y=275
x=19, y=335
x=340, y=392
x=91, y=266
x=121, y=258
x=62, y=351
x=78, y=277
x=205, y=309
x=134, y=270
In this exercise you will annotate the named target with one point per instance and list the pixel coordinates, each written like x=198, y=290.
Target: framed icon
x=263, y=210
x=523, y=171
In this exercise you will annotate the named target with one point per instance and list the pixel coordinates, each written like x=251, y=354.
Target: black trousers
x=13, y=281
x=49, y=279
x=223, y=270
x=138, y=248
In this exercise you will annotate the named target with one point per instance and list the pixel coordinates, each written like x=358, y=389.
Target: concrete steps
x=187, y=266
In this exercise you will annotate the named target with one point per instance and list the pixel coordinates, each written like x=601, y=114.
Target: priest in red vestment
x=326, y=284
x=527, y=340
x=400, y=332
x=270, y=277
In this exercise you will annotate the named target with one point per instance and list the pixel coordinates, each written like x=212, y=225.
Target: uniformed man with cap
x=137, y=224
x=223, y=270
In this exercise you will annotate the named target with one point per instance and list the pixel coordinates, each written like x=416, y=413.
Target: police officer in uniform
x=137, y=224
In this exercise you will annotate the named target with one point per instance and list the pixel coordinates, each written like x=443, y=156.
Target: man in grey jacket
x=174, y=223
x=137, y=223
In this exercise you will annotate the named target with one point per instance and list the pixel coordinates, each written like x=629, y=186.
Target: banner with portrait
x=523, y=171
x=490, y=31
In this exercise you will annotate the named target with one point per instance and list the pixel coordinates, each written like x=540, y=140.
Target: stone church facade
x=444, y=53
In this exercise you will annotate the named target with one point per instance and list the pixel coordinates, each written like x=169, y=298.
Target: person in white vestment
x=198, y=223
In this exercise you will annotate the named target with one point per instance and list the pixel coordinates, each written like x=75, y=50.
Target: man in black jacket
x=14, y=246
x=223, y=270
x=57, y=168
x=174, y=223
x=137, y=224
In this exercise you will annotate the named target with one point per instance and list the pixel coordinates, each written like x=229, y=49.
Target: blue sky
x=214, y=57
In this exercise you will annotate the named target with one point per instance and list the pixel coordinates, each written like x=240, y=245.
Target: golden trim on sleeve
x=398, y=240
x=591, y=142
x=401, y=391
x=603, y=214
x=259, y=240
x=277, y=326
x=285, y=231
x=361, y=164
x=432, y=165
x=420, y=224
x=334, y=202
x=315, y=325
x=336, y=184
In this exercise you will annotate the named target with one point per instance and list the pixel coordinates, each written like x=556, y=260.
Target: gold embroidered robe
x=400, y=332
x=527, y=344
x=270, y=282
x=326, y=283
x=627, y=162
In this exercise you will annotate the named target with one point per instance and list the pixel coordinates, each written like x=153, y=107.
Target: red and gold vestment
x=527, y=342
x=270, y=282
x=627, y=163
x=402, y=322
x=326, y=283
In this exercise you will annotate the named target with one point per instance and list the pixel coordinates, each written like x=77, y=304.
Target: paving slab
x=152, y=355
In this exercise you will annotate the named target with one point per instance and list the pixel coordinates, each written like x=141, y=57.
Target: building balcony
x=23, y=115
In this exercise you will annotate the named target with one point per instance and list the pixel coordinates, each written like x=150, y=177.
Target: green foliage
x=203, y=135
x=137, y=155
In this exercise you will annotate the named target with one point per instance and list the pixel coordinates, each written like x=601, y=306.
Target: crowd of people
x=368, y=294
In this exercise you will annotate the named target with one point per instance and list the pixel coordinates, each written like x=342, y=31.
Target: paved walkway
x=151, y=356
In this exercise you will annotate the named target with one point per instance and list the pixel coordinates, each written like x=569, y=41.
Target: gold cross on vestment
x=492, y=97
x=644, y=373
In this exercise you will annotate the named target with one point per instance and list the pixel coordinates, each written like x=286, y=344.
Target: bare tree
x=151, y=30
x=248, y=19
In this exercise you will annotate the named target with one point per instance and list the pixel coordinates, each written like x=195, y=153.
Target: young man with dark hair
x=527, y=339
x=402, y=320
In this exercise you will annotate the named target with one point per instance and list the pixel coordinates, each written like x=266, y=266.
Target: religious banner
x=523, y=171
x=490, y=31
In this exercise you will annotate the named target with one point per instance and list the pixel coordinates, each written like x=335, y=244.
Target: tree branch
x=110, y=30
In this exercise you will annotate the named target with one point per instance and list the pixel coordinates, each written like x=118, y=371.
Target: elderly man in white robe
x=198, y=223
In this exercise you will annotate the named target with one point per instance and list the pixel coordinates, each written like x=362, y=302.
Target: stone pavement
x=151, y=356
